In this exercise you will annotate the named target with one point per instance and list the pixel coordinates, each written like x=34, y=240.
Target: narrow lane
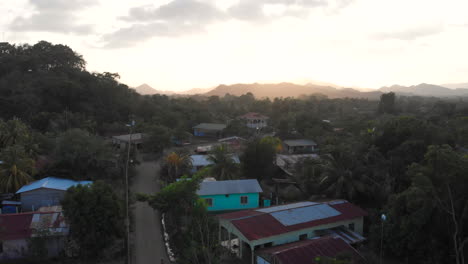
x=149, y=243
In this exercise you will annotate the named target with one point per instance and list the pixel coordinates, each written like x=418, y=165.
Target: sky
x=182, y=44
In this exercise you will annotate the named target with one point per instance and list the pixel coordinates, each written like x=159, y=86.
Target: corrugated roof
x=229, y=187
x=126, y=138
x=202, y=160
x=299, y=142
x=210, y=126
x=305, y=252
x=52, y=183
x=255, y=224
x=304, y=214
x=22, y=225
x=284, y=207
x=253, y=115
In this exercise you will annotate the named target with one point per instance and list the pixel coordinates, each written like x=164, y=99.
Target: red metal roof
x=21, y=225
x=15, y=226
x=253, y=115
x=305, y=252
x=255, y=225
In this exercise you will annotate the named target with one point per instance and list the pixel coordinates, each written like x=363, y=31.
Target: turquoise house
x=230, y=195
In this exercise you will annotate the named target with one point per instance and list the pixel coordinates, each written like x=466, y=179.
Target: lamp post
x=383, y=217
x=127, y=220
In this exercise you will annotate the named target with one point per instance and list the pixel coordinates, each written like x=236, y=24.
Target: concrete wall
x=293, y=236
x=14, y=249
x=232, y=201
x=40, y=197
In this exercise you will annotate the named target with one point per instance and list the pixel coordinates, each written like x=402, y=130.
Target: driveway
x=149, y=245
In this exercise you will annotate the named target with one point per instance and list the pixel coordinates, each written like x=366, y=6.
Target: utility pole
x=383, y=217
x=127, y=190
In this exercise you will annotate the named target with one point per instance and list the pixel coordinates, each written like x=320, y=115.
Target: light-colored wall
x=40, y=197
x=232, y=201
x=294, y=236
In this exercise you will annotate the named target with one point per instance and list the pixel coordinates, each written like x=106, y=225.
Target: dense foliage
x=403, y=156
x=95, y=216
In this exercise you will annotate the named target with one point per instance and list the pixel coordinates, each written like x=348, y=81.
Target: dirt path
x=149, y=243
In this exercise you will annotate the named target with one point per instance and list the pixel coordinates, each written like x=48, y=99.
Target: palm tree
x=338, y=176
x=224, y=166
x=16, y=168
x=177, y=161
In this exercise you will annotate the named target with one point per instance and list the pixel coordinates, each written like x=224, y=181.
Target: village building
x=307, y=251
x=299, y=146
x=18, y=229
x=255, y=120
x=288, y=163
x=230, y=195
x=45, y=192
x=122, y=141
x=201, y=161
x=233, y=143
x=267, y=227
x=208, y=130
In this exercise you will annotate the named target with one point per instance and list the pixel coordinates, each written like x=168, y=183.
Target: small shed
x=230, y=195
x=208, y=130
x=17, y=229
x=299, y=146
x=45, y=192
x=122, y=141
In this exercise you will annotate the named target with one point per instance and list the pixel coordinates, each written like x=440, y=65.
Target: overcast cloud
x=58, y=16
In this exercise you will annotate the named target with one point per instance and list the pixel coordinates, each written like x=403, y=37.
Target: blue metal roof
x=304, y=214
x=202, y=160
x=52, y=183
x=229, y=187
x=285, y=207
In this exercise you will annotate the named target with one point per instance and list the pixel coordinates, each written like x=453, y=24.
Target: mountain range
x=286, y=89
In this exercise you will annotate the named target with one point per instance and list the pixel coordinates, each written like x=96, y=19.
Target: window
x=351, y=226
x=209, y=201
x=244, y=199
x=303, y=237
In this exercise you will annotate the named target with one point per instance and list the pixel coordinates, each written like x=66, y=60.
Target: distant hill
x=425, y=89
x=196, y=91
x=145, y=89
x=289, y=90
x=455, y=85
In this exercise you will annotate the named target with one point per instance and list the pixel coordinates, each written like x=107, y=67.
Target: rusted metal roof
x=307, y=251
x=258, y=224
x=253, y=115
x=23, y=225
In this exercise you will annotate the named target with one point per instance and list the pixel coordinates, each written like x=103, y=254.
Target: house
x=122, y=141
x=277, y=225
x=288, y=163
x=299, y=146
x=234, y=143
x=230, y=195
x=45, y=192
x=201, y=161
x=18, y=229
x=254, y=120
x=307, y=251
x=208, y=130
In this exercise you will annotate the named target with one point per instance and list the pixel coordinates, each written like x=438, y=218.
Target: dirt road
x=149, y=243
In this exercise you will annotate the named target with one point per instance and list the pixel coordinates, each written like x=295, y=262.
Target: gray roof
x=229, y=187
x=210, y=126
x=126, y=138
x=299, y=142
